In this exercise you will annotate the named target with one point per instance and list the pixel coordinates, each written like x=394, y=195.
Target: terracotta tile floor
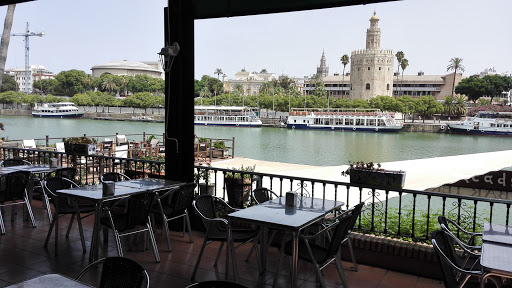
x=23, y=256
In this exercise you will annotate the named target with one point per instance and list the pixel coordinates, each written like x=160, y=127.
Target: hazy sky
x=81, y=34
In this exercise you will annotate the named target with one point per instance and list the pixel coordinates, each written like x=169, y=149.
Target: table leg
x=228, y=253
x=93, y=253
x=264, y=245
x=295, y=258
x=56, y=220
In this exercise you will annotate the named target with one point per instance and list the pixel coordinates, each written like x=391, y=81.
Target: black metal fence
x=410, y=214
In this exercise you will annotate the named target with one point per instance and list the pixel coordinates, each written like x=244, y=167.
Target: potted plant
x=373, y=174
x=220, y=150
x=79, y=146
x=238, y=185
x=154, y=169
x=202, y=177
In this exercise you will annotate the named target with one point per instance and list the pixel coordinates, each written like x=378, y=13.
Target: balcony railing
x=403, y=213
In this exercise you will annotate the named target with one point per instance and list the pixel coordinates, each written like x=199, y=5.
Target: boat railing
x=394, y=212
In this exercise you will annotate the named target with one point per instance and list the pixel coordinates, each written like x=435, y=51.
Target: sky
x=81, y=34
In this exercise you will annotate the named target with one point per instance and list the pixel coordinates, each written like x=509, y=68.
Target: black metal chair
x=449, y=225
x=262, y=194
x=318, y=255
x=454, y=274
x=134, y=218
x=355, y=212
x=67, y=172
x=217, y=284
x=209, y=209
x=172, y=204
x=118, y=272
x=65, y=206
x=114, y=176
x=14, y=162
x=13, y=189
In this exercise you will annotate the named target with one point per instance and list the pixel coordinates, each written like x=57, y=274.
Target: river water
x=320, y=148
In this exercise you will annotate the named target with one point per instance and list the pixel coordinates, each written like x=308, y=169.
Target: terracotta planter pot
x=238, y=191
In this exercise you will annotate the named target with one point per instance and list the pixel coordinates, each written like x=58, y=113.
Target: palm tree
x=455, y=65
x=87, y=82
x=403, y=64
x=449, y=105
x=124, y=79
x=460, y=105
x=109, y=84
x=399, y=56
x=218, y=71
x=6, y=37
x=344, y=60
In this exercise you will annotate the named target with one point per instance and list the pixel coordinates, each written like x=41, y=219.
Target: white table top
x=50, y=281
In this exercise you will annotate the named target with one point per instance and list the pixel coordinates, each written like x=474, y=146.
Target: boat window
x=493, y=125
x=294, y=121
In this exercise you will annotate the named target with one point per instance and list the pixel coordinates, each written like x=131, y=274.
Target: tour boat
x=367, y=120
x=237, y=116
x=485, y=123
x=57, y=110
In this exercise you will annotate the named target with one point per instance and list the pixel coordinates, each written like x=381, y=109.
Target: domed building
x=130, y=68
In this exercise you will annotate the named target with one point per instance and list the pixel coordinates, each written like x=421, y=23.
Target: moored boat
x=368, y=120
x=485, y=123
x=57, y=110
x=237, y=116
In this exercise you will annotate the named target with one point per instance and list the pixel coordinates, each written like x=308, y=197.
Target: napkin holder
x=53, y=162
x=291, y=199
x=108, y=188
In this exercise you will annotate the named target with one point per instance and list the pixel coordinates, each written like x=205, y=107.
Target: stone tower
x=371, y=69
x=322, y=70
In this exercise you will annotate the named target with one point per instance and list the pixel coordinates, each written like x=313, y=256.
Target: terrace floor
x=23, y=256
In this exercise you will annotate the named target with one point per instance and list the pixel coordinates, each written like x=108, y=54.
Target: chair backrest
x=67, y=172
x=444, y=250
x=340, y=233
x=206, y=205
x=355, y=212
x=29, y=143
x=182, y=198
x=138, y=209
x=59, y=147
x=154, y=143
x=12, y=185
x=114, y=176
x=14, y=162
x=52, y=184
x=121, y=151
x=263, y=194
x=119, y=272
x=121, y=140
x=217, y=284
x=108, y=143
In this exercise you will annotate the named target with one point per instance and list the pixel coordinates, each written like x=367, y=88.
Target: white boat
x=485, y=123
x=57, y=110
x=368, y=120
x=142, y=118
x=237, y=116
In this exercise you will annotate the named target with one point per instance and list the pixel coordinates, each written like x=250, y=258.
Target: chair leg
x=199, y=258
x=354, y=262
x=340, y=271
x=166, y=231
x=81, y=230
x=48, y=208
x=49, y=232
x=70, y=224
x=153, y=242
x=2, y=227
x=189, y=227
x=281, y=256
x=218, y=254
x=29, y=209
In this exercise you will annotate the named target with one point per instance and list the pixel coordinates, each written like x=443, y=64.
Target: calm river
x=321, y=148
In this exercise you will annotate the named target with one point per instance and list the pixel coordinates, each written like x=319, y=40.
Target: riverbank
x=427, y=126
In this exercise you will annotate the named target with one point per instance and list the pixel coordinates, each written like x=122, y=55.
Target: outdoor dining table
x=94, y=193
x=49, y=281
x=496, y=250
x=275, y=214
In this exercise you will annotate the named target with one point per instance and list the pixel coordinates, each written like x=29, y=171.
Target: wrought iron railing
x=410, y=214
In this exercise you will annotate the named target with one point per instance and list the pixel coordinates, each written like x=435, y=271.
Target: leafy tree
x=52, y=99
x=455, y=65
x=213, y=84
x=460, y=105
x=384, y=103
x=32, y=99
x=427, y=105
x=46, y=86
x=263, y=70
x=123, y=81
x=473, y=87
x=218, y=71
x=8, y=83
x=497, y=84
x=87, y=82
x=82, y=99
x=406, y=105
x=403, y=64
x=70, y=82
x=140, y=83
x=11, y=97
x=449, y=105
x=285, y=82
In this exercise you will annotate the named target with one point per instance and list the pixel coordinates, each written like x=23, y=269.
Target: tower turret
x=373, y=34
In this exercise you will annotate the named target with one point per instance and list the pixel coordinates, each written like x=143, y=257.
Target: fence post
x=47, y=141
x=144, y=136
x=233, y=148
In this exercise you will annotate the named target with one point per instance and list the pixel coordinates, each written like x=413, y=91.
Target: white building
x=250, y=81
x=130, y=68
x=37, y=73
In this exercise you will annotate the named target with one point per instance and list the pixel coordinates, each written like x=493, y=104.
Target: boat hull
x=380, y=129
x=460, y=129
x=227, y=124
x=57, y=115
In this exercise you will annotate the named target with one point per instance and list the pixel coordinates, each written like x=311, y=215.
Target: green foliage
x=219, y=145
x=427, y=105
x=8, y=83
x=153, y=167
x=69, y=82
x=238, y=175
x=79, y=140
x=150, y=138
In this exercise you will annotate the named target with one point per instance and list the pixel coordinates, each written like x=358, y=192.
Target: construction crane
x=27, y=63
